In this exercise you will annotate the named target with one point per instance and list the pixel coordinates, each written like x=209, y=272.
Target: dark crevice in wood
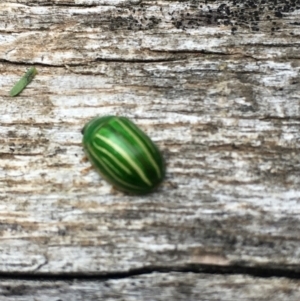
x=283, y=118
x=63, y=5
x=259, y=272
x=228, y=54
x=121, y=60
x=29, y=64
x=138, y=60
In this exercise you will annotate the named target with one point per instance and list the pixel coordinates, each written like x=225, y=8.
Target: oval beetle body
x=123, y=154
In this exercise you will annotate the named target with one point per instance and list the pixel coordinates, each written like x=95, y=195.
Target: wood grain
x=156, y=286
x=222, y=104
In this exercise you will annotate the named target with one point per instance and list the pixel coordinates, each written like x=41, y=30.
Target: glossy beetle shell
x=123, y=154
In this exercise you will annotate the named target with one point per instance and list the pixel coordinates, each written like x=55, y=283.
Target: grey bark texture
x=215, y=84
x=155, y=286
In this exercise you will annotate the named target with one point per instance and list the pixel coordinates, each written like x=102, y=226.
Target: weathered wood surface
x=220, y=100
x=156, y=287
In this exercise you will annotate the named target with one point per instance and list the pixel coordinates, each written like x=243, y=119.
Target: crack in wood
x=259, y=272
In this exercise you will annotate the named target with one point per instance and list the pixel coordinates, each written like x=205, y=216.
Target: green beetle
x=123, y=154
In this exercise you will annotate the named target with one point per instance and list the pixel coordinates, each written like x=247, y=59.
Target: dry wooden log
x=220, y=100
